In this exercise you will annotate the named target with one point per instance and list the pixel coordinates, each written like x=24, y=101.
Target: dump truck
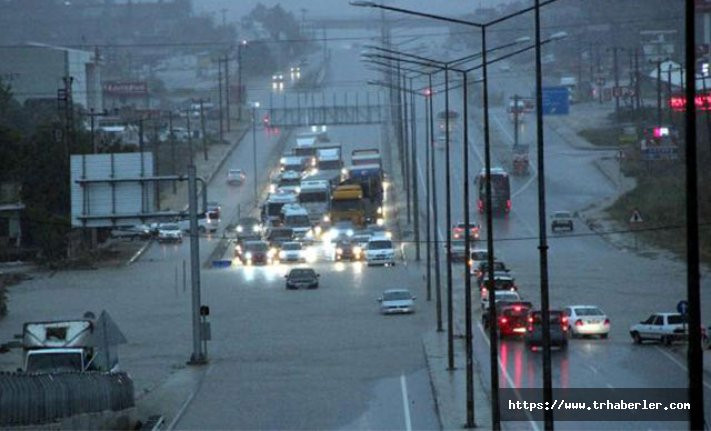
x=370, y=179
x=347, y=204
x=370, y=156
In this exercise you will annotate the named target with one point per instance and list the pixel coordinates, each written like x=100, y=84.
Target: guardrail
x=33, y=399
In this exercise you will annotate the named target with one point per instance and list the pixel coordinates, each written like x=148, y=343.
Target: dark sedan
x=302, y=278
x=558, y=330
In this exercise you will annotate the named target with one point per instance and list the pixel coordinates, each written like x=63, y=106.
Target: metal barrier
x=32, y=399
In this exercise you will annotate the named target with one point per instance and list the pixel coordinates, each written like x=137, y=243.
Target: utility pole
x=156, y=159
x=659, y=92
x=227, y=92
x=516, y=98
x=190, y=137
x=202, y=130
x=415, y=198
x=219, y=98
x=239, y=79
x=171, y=138
x=615, y=66
x=255, y=105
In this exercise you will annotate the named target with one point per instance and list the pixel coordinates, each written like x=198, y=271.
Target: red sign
x=120, y=88
x=703, y=102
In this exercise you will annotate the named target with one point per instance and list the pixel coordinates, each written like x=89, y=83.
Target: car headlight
x=380, y=210
x=327, y=218
x=272, y=251
x=282, y=160
x=349, y=232
x=389, y=235
x=297, y=190
x=248, y=255
x=272, y=188
x=344, y=171
x=339, y=250
x=380, y=222
x=239, y=229
x=357, y=250
x=317, y=230
x=310, y=234
x=256, y=228
x=282, y=254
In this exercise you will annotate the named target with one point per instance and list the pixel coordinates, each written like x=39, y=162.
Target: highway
x=317, y=359
x=584, y=268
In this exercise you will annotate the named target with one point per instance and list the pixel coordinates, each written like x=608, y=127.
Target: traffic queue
x=320, y=207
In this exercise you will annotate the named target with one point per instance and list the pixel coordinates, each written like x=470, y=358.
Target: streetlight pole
x=239, y=79
x=255, y=105
x=542, y=232
x=415, y=197
x=435, y=212
x=428, y=191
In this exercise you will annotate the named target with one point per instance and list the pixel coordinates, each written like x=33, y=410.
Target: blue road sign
x=682, y=307
x=556, y=101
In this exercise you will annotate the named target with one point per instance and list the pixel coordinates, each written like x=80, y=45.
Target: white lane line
x=679, y=363
x=405, y=403
x=508, y=378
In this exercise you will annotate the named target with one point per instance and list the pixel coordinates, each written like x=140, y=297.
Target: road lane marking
x=405, y=403
x=508, y=378
x=680, y=364
x=188, y=400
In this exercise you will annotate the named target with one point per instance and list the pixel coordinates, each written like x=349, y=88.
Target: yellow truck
x=347, y=204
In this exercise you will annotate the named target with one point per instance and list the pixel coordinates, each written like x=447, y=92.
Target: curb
x=598, y=165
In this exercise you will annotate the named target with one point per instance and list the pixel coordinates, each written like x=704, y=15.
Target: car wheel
x=636, y=337
x=603, y=336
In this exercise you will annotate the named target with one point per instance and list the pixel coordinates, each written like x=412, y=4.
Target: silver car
x=397, y=301
x=587, y=320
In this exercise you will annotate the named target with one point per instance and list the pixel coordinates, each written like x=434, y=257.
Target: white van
x=380, y=251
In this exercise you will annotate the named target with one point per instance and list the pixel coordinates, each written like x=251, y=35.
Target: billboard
x=98, y=200
x=126, y=88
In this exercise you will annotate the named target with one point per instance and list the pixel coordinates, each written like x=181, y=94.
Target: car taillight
x=530, y=320
x=607, y=321
x=503, y=320
x=517, y=308
x=508, y=205
x=480, y=204
x=530, y=328
x=579, y=322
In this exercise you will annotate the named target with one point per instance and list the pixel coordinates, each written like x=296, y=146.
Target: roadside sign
x=636, y=217
x=682, y=307
x=622, y=91
x=556, y=101
x=107, y=332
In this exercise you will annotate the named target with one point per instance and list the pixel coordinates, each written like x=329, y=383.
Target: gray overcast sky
x=236, y=9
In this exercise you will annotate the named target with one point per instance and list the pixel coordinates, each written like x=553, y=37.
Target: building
x=38, y=71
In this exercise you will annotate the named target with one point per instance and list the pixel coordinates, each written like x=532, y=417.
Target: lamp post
x=255, y=106
x=240, y=90
x=547, y=380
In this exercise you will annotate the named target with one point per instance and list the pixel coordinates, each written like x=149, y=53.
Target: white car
x=170, y=232
x=292, y=251
x=380, y=251
x=205, y=224
x=587, y=320
x=663, y=327
x=235, y=176
x=562, y=219
x=500, y=295
x=477, y=256
x=396, y=301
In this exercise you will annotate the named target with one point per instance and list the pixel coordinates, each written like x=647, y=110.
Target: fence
x=33, y=399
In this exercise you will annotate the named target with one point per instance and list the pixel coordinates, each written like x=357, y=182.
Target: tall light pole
x=413, y=176
x=255, y=106
x=240, y=91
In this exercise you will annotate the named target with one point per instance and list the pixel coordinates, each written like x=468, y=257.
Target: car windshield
x=361, y=238
x=302, y=273
x=256, y=246
x=562, y=215
x=398, y=295
x=52, y=362
x=247, y=222
x=589, y=311
x=291, y=246
x=170, y=227
x=235, y=171
x=380, y=245
x=280, y=233
x=457, y=243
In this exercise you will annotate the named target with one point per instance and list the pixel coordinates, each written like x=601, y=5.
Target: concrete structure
x=37, y=71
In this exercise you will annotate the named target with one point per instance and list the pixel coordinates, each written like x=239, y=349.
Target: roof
x=281, y=198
